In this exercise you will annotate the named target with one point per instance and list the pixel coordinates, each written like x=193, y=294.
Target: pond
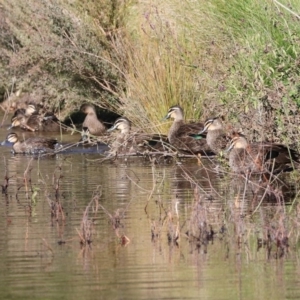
x=73, y=226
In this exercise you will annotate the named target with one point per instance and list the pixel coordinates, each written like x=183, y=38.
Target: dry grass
x=164, y=64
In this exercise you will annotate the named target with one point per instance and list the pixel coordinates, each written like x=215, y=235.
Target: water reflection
x=195, y=230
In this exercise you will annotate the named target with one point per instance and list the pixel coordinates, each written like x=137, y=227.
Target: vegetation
x=237, y=59
x=57, y=54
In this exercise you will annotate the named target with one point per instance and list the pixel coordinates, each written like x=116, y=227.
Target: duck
x=179, y=135
x=127, y=142
x=30, y=120
x=260, y=157
x=51, y=123
x=216, y=137
x=91, y=121
x=27, y=119
x=34, y=145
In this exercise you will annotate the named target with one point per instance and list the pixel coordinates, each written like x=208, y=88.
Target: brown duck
x=127, y=142
x=260, y=157
x=29, y=119
x=216, y=137
x=91, y=121
x=180, y=133
x=35, y=145
x=51, y=123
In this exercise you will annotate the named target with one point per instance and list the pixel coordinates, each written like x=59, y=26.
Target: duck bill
x=111, y=128
x=166, y=117
x=14, y=123
x=3, y=143
x=204, y=129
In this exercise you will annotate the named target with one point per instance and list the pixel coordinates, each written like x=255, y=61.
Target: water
x=153, y=249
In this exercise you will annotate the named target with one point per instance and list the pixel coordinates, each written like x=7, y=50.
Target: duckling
x=216, y=137
x=95, y=126
x=134, y=143
x=260, y=157
x=35, y=145
x=180, y=133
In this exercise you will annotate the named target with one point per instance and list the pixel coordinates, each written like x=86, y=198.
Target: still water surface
x=41, y=256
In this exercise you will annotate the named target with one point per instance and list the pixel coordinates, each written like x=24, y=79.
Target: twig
x=286, y=8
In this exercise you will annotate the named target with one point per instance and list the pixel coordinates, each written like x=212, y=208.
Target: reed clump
x=87, y=223
x=116, y=222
